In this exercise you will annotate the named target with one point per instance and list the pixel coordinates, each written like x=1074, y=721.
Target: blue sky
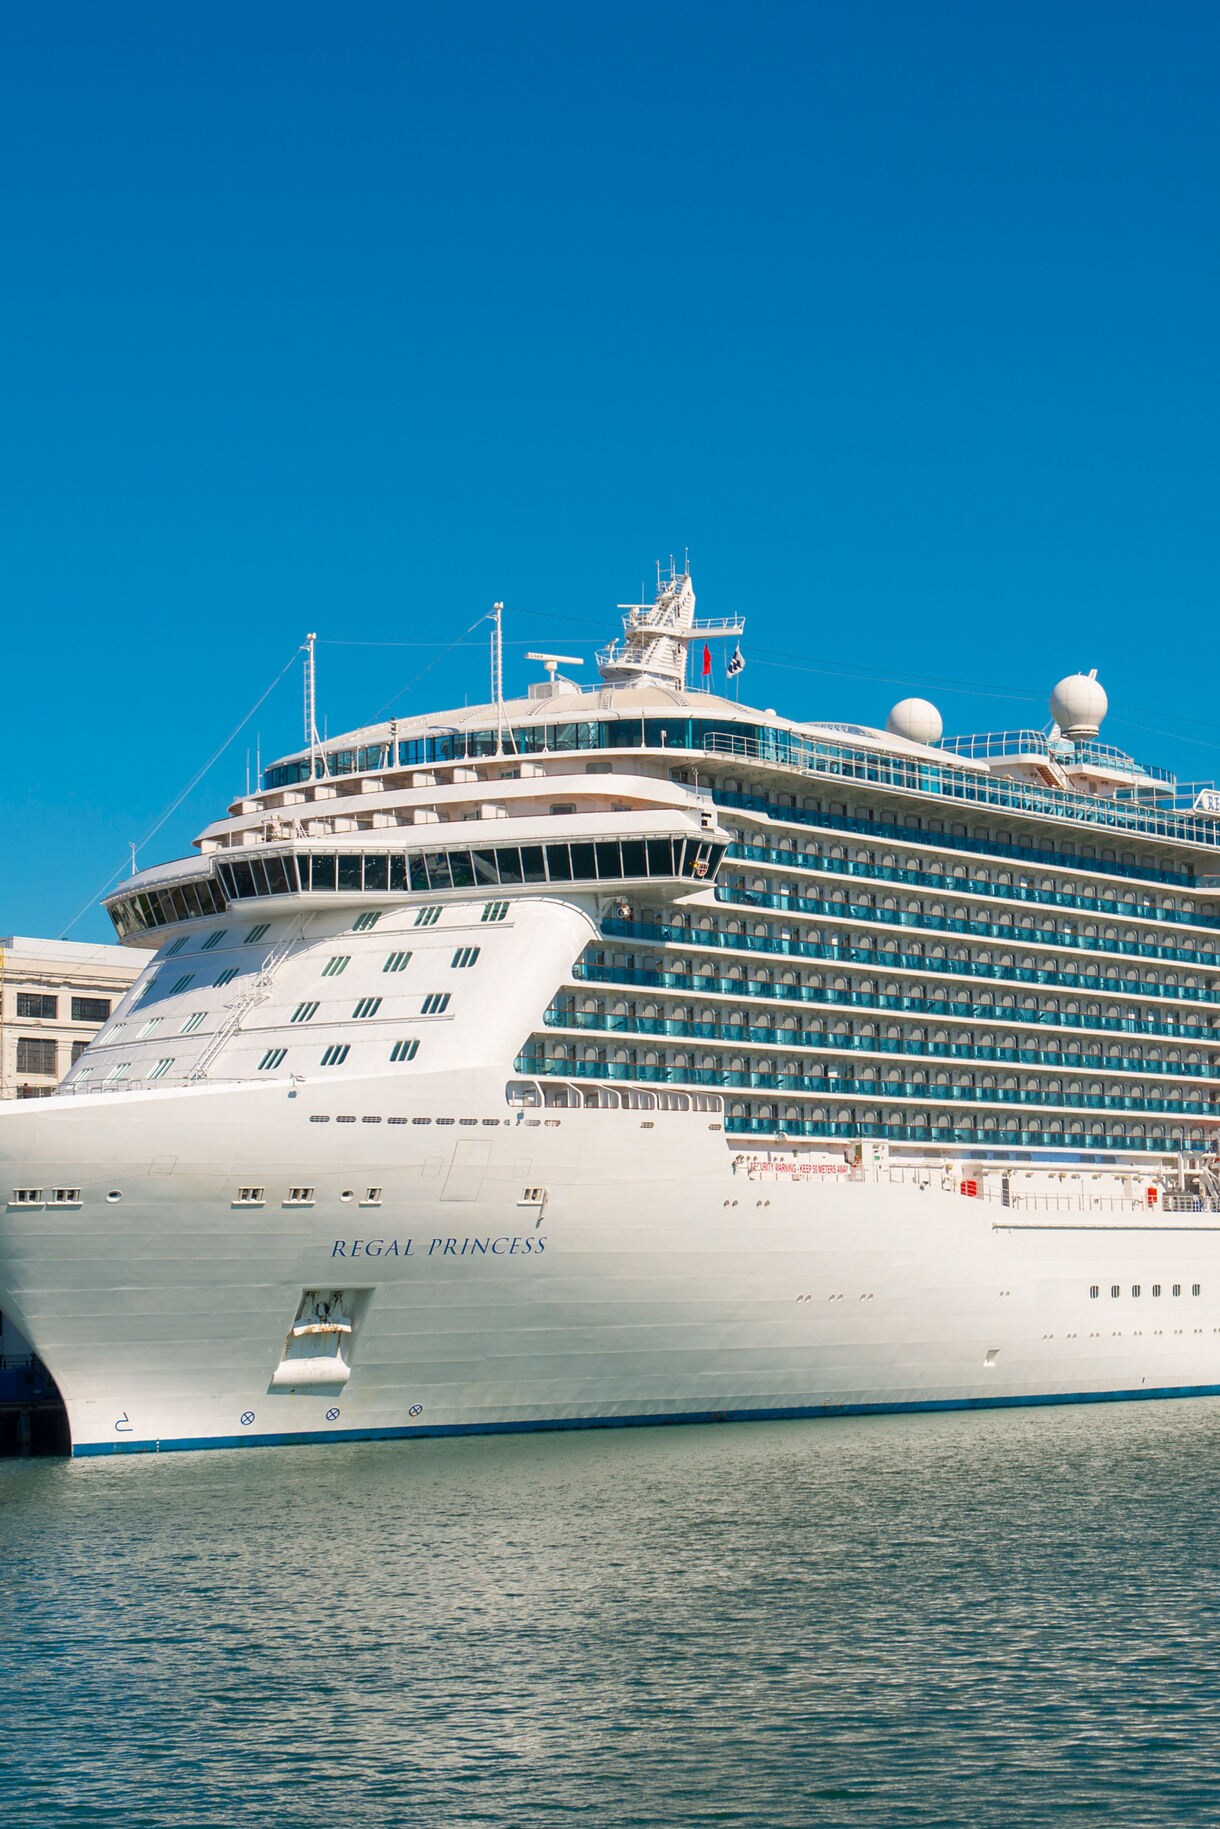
x=902, y=317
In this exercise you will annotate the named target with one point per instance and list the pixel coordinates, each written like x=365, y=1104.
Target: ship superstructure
x=625, y=1053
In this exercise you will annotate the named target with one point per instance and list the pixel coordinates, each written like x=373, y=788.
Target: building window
x=299, y=1197
x=304, y=1012
x=225, y=977
x=250, y=1197
x=257, y=933
x=435, y=1002
x=35, y=1055
x=363, y=922
x=368, y=1006
x=213, y=939
x=1095, y=1291
x=336, y=1054
x=175, y=946
x=162, y=1068
x=404, y=1051
x=337, y=963
x=1115, y=1290
x=1196, y=1289
x=427, y=917
x=78, y=1048
x=271, y=1059
x=192, y=1022
x=181, y=983
x=90, y=1009
x=1156, y=1289
x=119, y=1070
x=1177, y=1289
x=465, y=955
x=494, y=911
x=154, y=1022
x=34, y=1003
x=397, y=962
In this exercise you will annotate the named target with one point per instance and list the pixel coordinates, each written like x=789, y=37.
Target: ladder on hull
x=257, y=992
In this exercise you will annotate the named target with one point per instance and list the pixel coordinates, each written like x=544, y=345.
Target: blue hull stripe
x=308, y=1437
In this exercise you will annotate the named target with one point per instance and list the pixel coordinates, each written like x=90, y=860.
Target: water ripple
x=995, y=1619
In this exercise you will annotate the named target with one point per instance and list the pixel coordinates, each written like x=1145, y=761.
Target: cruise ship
x=620, y=1055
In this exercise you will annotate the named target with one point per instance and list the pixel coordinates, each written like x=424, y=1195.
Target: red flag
x=707, y=660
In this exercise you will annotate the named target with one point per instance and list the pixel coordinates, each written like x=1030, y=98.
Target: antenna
x=552, y=662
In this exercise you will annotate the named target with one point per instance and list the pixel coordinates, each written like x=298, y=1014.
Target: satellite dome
x=1078, y=705
x=916, y=720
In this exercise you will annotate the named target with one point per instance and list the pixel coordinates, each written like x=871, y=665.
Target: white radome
x=916, y=720
x=1078, y=705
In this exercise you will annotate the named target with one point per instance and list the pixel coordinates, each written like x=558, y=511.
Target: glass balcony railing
x=694, y=983
x=942, y=1136
x=991, y=745
x=760, y=1036
x=893, y=832
x=1009, y=1131
x=879, y=959
x=925, y=882
x=738, y=894
x=823, y=1086
x=962, y=786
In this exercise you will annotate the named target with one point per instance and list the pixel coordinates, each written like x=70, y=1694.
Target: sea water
x=991, y=1618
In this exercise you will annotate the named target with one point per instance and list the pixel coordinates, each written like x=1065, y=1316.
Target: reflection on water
x=994, y=1618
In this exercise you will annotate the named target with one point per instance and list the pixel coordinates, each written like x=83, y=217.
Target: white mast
x=311, y=719
x=497, y=671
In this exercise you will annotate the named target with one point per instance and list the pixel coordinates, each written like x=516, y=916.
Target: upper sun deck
x=662, y=741
x=642, y=704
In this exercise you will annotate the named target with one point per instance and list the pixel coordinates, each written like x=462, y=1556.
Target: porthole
x=114, y=1194
x=347, y=1194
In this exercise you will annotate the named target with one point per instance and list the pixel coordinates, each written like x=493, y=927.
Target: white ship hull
x=433, y=1109
x=647, y=1277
